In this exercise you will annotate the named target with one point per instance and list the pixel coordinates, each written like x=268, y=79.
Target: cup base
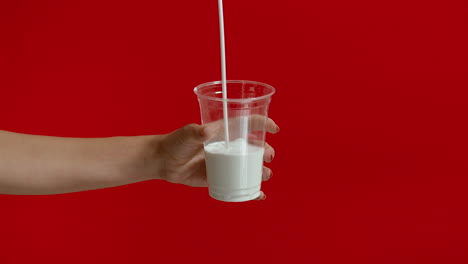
x=235, y=195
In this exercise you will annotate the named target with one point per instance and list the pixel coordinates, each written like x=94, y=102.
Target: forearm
x=32, y=164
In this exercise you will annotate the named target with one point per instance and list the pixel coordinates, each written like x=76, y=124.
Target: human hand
x=182, y=158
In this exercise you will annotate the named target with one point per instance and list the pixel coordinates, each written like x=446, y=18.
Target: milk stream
x=223, y=71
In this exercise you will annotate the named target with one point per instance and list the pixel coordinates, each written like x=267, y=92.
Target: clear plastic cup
x=235, y=172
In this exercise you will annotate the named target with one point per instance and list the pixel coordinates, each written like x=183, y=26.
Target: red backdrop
x=371, y=160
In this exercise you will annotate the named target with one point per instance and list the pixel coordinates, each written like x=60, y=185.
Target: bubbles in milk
x=234, y=172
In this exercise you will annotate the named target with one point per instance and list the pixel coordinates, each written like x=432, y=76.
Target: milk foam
x=236, y=147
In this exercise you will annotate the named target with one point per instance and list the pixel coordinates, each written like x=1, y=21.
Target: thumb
x=195, y=134
x=191, y=134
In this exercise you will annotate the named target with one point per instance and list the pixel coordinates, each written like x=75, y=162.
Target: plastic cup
x=235, y=171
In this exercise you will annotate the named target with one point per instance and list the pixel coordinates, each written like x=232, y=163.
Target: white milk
x=223, y=71
x=234, y=173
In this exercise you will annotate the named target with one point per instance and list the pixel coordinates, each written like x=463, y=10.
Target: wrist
x=143, y=158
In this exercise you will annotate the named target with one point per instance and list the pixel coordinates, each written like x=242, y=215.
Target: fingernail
x=272, y=156
x=261, y=197
x=271, y=174
x=277, y=128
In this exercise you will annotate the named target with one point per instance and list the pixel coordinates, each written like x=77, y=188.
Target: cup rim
x=196, y=91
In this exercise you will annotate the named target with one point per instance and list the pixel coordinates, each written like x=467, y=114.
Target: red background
x=371, y=160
